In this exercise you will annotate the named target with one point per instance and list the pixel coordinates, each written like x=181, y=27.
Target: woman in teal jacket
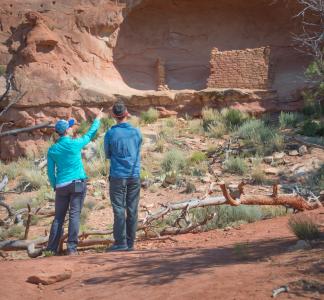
x=67, y=177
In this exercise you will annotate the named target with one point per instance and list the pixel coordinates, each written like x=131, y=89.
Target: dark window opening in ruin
x=183, y=34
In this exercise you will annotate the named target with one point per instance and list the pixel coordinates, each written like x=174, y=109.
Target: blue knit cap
x=61, y=126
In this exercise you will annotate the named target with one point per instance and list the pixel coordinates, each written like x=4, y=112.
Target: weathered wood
x=11, y=103
x=27, y=129
x=29, y=217
x=3, y=183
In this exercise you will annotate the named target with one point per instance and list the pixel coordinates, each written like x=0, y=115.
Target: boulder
x=293, y=153
x=302, y=150
x=278, y=156
x=47, y=279
x=271, y=171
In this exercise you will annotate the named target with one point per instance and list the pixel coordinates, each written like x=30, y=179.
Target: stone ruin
x=243, y=69
x=73, y=57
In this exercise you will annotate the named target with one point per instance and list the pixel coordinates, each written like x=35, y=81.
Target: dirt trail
x=245, y=263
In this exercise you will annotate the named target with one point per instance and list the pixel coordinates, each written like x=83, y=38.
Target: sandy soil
x=247, y=263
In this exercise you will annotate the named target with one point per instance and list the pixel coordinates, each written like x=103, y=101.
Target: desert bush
x=234, y=118
x=34, y=177
x=235, y=165
x=150, y=116
x=99, y=166
x=134, y=121
x=168, y=134
x=197, y=157
x=211, y=117
x=217, y=130
x=199, y=170
x=90, y=204
x=2, y=70
x=173, y=161
x=170, y=122
x=145, y=174
x=83, y=127
x=3, y=234
x=107, y=123
x=312, y=128
x=264, y=139
x=159, y=145
x=16, y=231
x=195, y=126
x=304, y=228
x=258, y=175
x=289, y=119
x=84, y=216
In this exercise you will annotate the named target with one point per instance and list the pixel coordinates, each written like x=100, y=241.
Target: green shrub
x=235, y=165
x=3, y=234
x=217, y=130
x=263, y=138
x=84, y=216
x=159, y=145
x=145, y=175
x=197, y=157
x=195, y=126
x=134, y=121
x=150, y=116
x=289, y=119
x=310, y=128
x=210, y=117
x=2, y=70
x=90, y=204
x=304, y=228
x=257, y=173
x=107, y=123
x=16, y=231
x=34, y=177
x=234, y=118
x=173, y=161
x=170, y=122
x=83, y=128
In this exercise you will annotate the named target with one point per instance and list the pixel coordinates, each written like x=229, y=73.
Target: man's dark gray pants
x=124, y=196
x=66, y=198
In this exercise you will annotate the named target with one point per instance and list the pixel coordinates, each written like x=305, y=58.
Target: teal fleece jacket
x=64, y=160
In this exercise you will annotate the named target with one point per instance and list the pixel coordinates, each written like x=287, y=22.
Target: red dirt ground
x=245, y=263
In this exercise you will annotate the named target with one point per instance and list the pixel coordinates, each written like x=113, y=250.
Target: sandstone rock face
x=73, y=57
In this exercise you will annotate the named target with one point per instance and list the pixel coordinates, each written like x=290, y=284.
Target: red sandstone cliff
x=72, y=57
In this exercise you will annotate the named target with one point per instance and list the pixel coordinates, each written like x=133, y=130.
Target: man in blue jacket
x=68, y=178
x=123, y=146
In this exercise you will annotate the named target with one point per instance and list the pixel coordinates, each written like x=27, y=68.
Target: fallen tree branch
x=11, y=103
x=8, y=87
x=27, y=129
x=190, y=228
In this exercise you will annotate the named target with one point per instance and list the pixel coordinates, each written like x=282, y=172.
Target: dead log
x=292, y=200
x=29, y=245
x=188, y=229
x=27, y=129
x=4, y=182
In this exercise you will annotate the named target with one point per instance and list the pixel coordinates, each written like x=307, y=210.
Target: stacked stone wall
x=246, y=69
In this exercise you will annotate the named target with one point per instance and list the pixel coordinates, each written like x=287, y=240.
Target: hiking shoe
x=131, y=248
x=72, y=253
x=117, y=248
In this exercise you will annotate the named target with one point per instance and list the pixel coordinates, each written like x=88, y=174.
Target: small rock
x=293, y=153
x=271, y=171
x=47, y=279
x=277, y=156
x=170, y=180
x=321, y=198
x=206, y=179
x=228, y=228
x=301, y=245
x=303, y=150
x=268, y=159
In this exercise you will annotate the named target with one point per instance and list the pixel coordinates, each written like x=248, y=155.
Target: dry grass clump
x=173, y=161
x=150, y=116
x=304, y=228
x=34, y=177
x=235, y=165
x=289, y=119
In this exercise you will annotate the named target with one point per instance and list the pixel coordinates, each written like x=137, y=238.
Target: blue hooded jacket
x=123, y=147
